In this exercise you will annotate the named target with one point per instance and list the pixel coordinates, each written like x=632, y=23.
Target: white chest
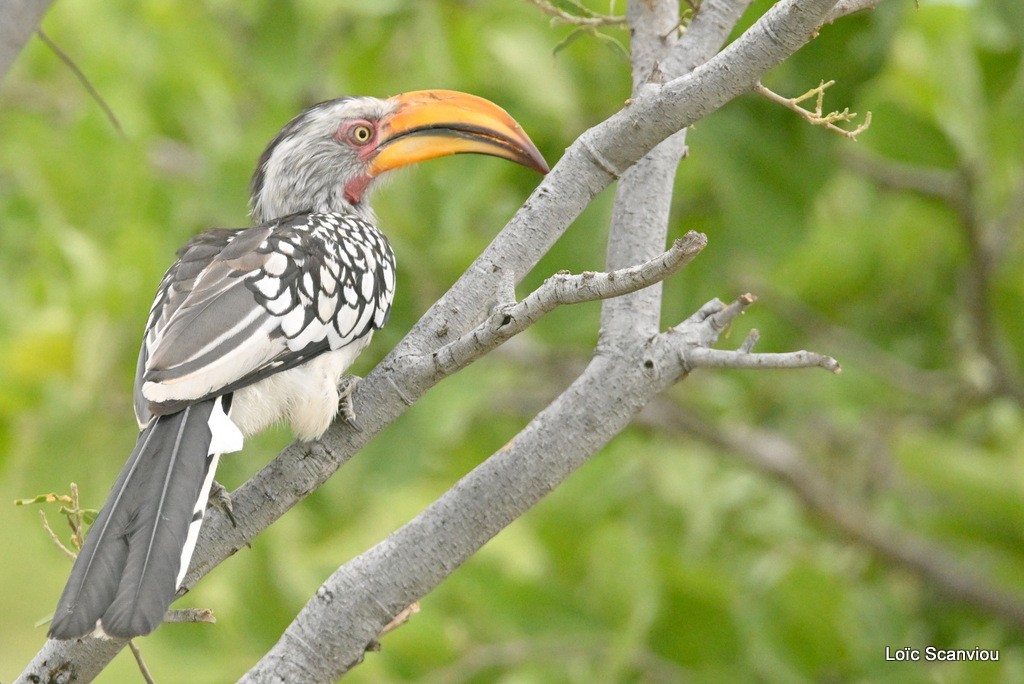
x=305, y=396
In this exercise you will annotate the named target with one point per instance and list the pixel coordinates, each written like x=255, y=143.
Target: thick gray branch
x=643, y=198
x=348, y=612
x=18, y=21
x=639, y=228
x=706, y=34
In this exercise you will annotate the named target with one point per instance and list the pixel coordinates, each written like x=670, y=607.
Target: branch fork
x=696, y=334
x=509, y=318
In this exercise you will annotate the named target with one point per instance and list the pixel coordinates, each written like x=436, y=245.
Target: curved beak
x=427, y=124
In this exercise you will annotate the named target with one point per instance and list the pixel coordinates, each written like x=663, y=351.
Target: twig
x=723, y=358
x=146, y=675
x=818, y=117
x=703, y=328
x=83, y=79
x=72, y=512
x=748, y=344
x=695, y=335
x=576, y=20
x=56, y=540
x=401, y=618
x=720, y=320
x=78, y=523
x=560, y=289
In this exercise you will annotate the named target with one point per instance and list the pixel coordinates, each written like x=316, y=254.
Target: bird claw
x=220, y=499
x=346, y=388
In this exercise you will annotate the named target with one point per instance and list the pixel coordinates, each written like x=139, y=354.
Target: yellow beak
x=435, y=123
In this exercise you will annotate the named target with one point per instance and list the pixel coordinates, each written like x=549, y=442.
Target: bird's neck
x=277, y=200
x=296, y=176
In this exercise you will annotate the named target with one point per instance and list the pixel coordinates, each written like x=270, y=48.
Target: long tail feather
x=140, y=545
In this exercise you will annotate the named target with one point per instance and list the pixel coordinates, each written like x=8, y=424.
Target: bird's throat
x=355, y=188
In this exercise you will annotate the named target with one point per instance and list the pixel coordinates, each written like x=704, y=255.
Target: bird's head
x=327, y=158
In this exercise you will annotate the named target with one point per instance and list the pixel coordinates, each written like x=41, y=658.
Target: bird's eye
x=360, y=134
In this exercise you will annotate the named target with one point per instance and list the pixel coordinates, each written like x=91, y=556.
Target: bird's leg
x=346, y=388
x=220, y=499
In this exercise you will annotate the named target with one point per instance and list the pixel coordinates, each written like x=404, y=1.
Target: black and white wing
x=240, y=305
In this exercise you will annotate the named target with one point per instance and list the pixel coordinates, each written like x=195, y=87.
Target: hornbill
x=258, y=325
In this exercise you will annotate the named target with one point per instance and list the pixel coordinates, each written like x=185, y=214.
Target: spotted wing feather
x=239, y=306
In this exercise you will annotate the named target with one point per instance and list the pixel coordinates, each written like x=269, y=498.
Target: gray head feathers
x=305, y=168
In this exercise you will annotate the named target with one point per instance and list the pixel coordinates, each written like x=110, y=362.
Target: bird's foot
x=220, y=499
x=346, y=388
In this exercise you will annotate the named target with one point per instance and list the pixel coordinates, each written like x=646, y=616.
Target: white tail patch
x=225, y=437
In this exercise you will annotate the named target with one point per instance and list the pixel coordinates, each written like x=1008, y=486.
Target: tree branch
x=720, y=358
x=84, y=80
x=559, y=289
x=706, y=34
x=931, y=182
x=141, y=662
x=643, y=198
x=698, y=354
x=345, y=617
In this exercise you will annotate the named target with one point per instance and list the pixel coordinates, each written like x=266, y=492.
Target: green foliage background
x=664, y=559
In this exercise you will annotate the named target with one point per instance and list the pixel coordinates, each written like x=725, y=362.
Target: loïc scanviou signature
x=934, y=654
